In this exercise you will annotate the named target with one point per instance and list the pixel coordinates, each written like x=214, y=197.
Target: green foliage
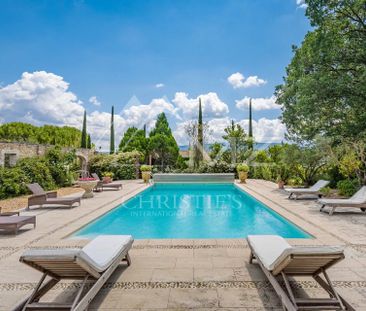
x=59, y=164
x=181, y=163
x=250, y=132
x=84, y=134
x=215, y=151
x=264, y=171
x=122, y=165
x=108, y=174
x=12, y=182
x=146, y=168
x=324, y=90
x=198, y=155
x=216, y=167
x=237, y=139
x=242, y=167
x=112, y=139
x=348, y=187
x=162, y=144
x=48, y=134
x=134, y=139
x=326, y=191
x=37, y=170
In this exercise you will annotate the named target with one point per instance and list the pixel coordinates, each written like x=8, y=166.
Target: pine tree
x=250, y=132
x=84, y=137
x=111, y=146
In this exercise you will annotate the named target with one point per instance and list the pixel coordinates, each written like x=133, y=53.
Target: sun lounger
x=95, y=262
x=14, y=223
x=101, y=185
x=8, y=213
x=313, y=190
x=41, y=197
x=277, y=258
x=358, y=200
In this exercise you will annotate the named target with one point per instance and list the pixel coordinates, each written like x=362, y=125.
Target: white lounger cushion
x=358, y=198
x=104, y=249
x=314, y=188
x=98, y=254
x=272, y=250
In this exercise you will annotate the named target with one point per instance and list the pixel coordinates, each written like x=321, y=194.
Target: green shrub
x=12, y=182
x=59, y=164
x=216, y=167
x=126, y=171
x=37, y=171
x=348, y=187
x=242, y=167
x=122, y=165
x=326, y=191
x=145, y=168
x=108, y=174
x=264, y=171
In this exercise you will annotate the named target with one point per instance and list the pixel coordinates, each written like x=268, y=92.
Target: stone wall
x=11, y=152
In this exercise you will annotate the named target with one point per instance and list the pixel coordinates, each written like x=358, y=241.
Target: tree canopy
x=134, y=139
x=324, y=91
x=48, y=134
x=162, y=145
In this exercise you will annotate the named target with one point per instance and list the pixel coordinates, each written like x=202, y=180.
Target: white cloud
x=212, y=105
x=237, y=80
x=140, y=114
x=301, y=4
x=264, y=130
x=43, y=96
x=159, y=85
x=258, y=103
x=93, y=100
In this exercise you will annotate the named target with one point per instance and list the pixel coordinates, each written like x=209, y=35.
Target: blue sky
x=111, y=51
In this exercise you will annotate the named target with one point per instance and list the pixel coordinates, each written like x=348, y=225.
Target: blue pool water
x=192, y=211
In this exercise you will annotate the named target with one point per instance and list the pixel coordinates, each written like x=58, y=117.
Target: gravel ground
x=17, y=203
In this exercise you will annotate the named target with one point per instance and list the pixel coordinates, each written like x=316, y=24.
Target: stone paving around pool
x=188, y=274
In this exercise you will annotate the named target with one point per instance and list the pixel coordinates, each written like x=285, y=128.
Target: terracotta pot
x=281, y=184
x=243, y=177
x=107, y=179
x=146, y=176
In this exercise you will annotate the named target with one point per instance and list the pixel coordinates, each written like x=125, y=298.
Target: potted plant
x=146, y=172
x=242, y=170
x=107, y=177
x=283, y=174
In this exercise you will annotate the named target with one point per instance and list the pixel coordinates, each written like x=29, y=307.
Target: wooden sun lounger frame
x=333, y=207
x=101, y=185
x=16, y=225
x=295, y=266
x=298, y=193
x=42, y=198
x=80, y=302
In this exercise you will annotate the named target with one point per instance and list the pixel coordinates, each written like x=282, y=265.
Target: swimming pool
x=190, y=211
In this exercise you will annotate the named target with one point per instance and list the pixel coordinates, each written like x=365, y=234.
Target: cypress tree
x=144, y=130
x=199, y=147
x=111, y=146
x=89, y=142
x=250, y=132
x=84, y=137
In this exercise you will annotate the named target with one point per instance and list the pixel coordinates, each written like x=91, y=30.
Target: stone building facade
x=11, y=152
